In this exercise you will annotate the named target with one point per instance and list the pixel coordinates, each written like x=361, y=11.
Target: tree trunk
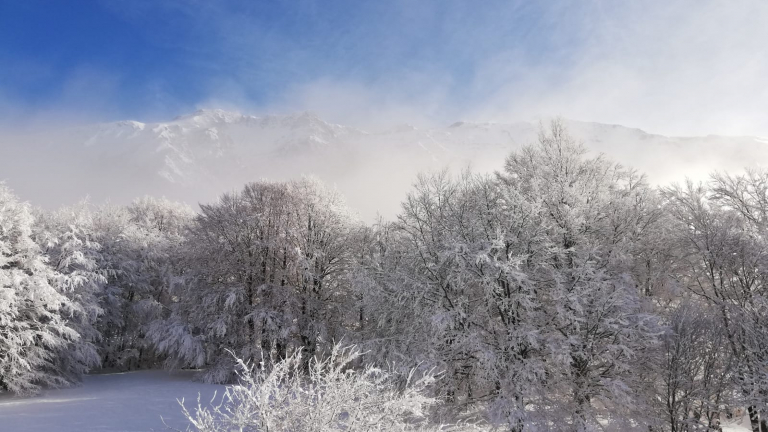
x=266, y=343
x=308, y=341
x=754, y=418
x=580, y=416
x=281, y=349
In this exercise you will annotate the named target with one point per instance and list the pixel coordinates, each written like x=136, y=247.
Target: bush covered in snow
x=335, y=396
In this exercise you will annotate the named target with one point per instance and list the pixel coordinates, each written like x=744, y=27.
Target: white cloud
x=684, y=67
x=681, y=67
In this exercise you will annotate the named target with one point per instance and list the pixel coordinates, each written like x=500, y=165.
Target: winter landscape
x=398, y=216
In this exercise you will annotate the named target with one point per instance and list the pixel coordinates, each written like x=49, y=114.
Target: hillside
x=197, y=156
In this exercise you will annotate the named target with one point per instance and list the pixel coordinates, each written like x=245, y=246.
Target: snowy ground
x=124, y=402
x=737, y=425
x=131, y=401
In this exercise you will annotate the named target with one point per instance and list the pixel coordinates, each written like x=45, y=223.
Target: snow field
x=118, y=402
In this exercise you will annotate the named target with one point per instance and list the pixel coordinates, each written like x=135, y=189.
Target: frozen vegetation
x=562, y=292
x=139, y=401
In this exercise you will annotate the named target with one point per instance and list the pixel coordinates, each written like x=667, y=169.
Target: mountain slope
x=198, y=156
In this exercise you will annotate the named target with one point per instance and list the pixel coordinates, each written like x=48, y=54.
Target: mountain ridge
x=196, y=156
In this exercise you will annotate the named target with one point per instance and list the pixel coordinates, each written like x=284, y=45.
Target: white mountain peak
x=197, y=156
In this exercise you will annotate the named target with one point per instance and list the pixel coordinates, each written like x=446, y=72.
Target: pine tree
x=33, y=313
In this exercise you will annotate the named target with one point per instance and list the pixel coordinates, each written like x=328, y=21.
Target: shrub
x=333, y=396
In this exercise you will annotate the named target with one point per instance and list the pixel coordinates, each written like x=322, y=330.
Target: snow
x=737, y=428
x=740, y=424
x=194, y=157
x=125, y=402
x=131, y=401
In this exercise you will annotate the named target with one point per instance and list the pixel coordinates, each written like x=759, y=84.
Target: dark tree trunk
x=754, y=418
x=266, y=343
x=281, y=349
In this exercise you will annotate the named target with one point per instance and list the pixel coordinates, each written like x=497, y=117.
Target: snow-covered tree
x=593, y=212
x=67, y=240
x=264, y=273
x=695, y=372
x=722, y=241
x=140, y=256
x=239, y=264
x=321, y=236
x=525, y=287
x=33, y=313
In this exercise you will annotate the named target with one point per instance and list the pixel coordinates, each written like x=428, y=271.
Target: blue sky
x=673, y=67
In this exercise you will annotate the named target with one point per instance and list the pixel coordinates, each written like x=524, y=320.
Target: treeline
x=560, y=293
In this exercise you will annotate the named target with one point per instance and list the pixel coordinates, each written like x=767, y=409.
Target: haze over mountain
x=196, y=157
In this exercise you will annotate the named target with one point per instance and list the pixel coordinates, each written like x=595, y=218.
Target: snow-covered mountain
x=196, y=157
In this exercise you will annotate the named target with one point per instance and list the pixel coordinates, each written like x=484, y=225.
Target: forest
x=563, y=292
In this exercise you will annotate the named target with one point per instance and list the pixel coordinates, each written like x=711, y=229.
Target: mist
x=197, y=157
